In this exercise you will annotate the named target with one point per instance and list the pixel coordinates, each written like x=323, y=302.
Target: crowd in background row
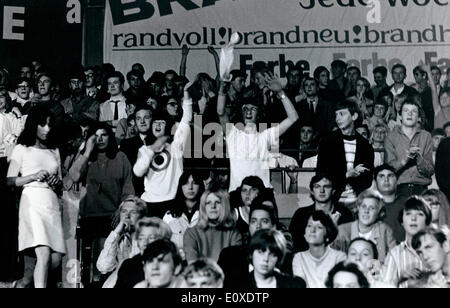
x=122, y=163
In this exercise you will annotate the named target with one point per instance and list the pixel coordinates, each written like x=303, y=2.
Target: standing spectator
x=379, y=76
x=162, y=162
x=361, y=98
x=322, y=76
x=442, y=167
x=90, y=85
x=314, y=264
x=135, y=91
x=36, y=166
x=115, y=108
x=345, y=154
x=215, y=229
x=398, y=73
x=322, y=189
x=410, y=151
x=339, y=84
x=184, y=211
x=23, y=99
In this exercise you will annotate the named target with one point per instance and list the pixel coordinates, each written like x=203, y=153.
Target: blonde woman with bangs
x=215, y=230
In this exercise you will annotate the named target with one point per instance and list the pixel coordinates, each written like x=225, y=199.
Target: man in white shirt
x=114, y=109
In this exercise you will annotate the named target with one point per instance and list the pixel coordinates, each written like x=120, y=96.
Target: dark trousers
x=408, y=190
x=158, y=209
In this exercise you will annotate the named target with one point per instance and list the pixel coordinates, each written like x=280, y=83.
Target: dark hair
x=434, y=67
x=438, y=132
x=178, y=205
x=384, y=93
x=237, y=73
x=419, y=204
x=164, y=247
x=380, y=69
x=371, y=243
x=411, y=101
x=356, y=69
x=135, y=73
x=253, y=181
x=319, y=71
x=112, y=149
x=446, y=125
x=24, y=79
x=38, y=116
x=310, y=79
x=440, y=237
x=157, y=77
x=445, y=90
x=347, y=104
x=350, y=268
x=319, y=177
x=398, y=65
x=383, y=167
x=116, y=74
x=339, y=63
x=327, y=222
x=258, y=204
x=271, y=240
x=170, y=72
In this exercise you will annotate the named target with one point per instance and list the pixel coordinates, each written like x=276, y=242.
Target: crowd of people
x=111, y=164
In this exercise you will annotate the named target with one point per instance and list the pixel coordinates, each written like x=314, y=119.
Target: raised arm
x=215, y=55
x=221, y=102
x=79, y=167
x=434, y=92
x=184, y=54
x=187, y=105
x=274, y=84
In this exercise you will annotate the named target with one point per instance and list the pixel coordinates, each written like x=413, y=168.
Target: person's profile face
x=437, y=141
x=159, y=272
x=115, y=87
x=260, y=80
x=432, y=253
x=345, y=280
x=435, y=206
x=414, y=221
x=238, y=84
x=344, y=118
x=368, y=212
x=352, y=75
x=260, y=220
x=190, y=189
x=361, y=253
x=43, y=131
x=386, y=181
x=264, y=261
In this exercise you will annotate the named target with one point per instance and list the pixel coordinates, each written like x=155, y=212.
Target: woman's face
x=368, y=212
x=147, y=236
x=260, y=220
x=379, y=135
x=213, y=207
x=345, y=280
x=324, y=78
x=361, y=87
x=172, y=107
x=43, y=131
x=361, y=253
x=158, y=128
x=190, y=189
x=435, y=205
x=315, y=232
x=264, y=262
x=129, y=213
x=248, y=194
x=102, y=139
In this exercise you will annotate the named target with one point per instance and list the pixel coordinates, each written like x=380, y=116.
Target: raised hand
x=273, y=82
x=159, y=144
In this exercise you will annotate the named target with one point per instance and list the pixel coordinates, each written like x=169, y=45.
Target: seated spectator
x=215, y=229
x=314, y=264
x=379, y=115
x=121, y=243
x=363, y=130
x=242, y=198
x=267, y=250
x=148, y=230
x=379, y=76
x=322, y=189
x=440, y=208
x=402, y=262
x=234, y=260
x=396, y=118
x=369, y=225
x=346, y=155
x=346, y=276
x=184, y=212
x=322, y=76
x=172, y=107
x=162, y=265
x=364, y=254
x=364, y=103
x=377, y=139
x=433, y=247
x=203, y=273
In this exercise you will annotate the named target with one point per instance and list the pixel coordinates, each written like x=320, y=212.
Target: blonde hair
x=164, y=231
x=140, y=204
x=226, y=218
x=373, y=194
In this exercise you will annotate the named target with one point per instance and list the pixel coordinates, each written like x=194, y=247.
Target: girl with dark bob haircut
x=37, y=116
x=349, y=268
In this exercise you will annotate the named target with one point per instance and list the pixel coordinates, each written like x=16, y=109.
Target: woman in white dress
x=36, y=166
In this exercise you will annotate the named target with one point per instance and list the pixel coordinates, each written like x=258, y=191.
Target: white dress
x=40, y=218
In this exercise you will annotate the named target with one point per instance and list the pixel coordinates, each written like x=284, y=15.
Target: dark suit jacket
x=131, y=272
x=331, y=160
x=283, y=282
x=427, y=106
x=407, y=90
x=322, y=119
x=131, y=148
x=442, y=167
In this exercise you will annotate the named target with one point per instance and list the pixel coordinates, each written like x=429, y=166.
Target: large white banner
x=282, y=33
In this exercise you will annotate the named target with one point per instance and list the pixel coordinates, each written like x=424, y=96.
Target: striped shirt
x=400, y=260
x=350, y=152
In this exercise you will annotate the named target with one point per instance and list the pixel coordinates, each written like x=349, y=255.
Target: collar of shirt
x=397, y=92
x=117, y=98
